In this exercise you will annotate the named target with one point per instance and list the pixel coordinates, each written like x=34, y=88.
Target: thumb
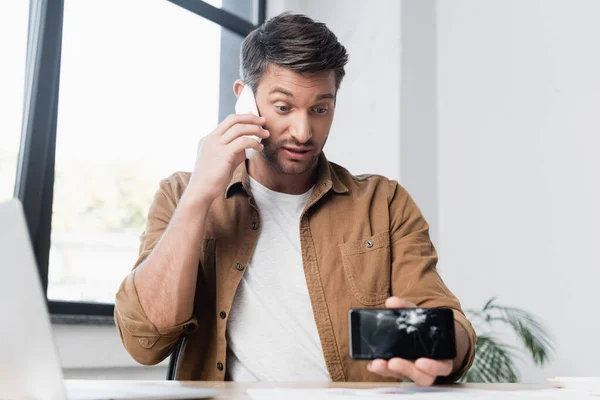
x=396, y=302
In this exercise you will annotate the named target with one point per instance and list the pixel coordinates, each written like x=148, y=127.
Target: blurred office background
x=486, y=111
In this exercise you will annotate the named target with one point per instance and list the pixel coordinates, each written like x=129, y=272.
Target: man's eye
x=320, y=110
x=283, y=108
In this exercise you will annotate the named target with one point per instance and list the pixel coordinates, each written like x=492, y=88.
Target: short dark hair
x=291, y=41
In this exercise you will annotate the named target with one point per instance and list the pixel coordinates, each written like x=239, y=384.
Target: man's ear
x=238, y=86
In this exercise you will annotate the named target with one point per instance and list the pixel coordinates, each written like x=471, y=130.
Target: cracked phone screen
x=407, y=333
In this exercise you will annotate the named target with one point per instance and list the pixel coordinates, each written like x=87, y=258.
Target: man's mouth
x=297, y=153
x=299, y=150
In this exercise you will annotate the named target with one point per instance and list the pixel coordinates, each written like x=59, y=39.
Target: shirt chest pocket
x=367, y=266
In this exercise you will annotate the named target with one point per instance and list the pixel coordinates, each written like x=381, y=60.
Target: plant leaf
x=493, y=362
x=536, y=340
x=489, y=303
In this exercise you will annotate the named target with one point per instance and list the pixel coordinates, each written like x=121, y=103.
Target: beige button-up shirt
x=363, y=239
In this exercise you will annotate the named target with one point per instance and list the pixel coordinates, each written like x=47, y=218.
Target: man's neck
x=265, y=174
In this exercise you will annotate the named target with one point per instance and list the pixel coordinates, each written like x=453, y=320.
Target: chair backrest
x=173, y=358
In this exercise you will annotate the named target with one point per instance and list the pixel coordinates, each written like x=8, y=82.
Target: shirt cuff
x=468, y=361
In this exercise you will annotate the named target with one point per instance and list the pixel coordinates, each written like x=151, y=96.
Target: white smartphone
x=246, y=104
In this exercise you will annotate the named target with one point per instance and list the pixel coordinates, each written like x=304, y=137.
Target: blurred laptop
x=29, y=363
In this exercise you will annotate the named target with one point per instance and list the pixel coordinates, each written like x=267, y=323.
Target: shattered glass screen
x=406, y=333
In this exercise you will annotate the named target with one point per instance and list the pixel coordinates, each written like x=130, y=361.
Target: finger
x=380, y=367
x=243, y=130
x=404, y=367
x=396, y=302
x=233, y=119
x=434, y=367
x=243, y=143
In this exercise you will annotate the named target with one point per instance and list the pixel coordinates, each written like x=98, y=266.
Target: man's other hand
x=422, y=371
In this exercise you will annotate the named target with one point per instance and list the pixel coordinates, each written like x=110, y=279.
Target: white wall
x=368, y=104
x=418, y=107
x=519, y=192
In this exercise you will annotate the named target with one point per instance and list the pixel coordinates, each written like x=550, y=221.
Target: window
x=140, y=83
x=13, y=42
x=133, y=104
x=245, y=9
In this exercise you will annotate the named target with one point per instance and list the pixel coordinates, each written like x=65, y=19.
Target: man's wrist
x=195, y=202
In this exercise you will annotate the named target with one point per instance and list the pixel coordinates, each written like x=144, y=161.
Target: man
x=255, y=263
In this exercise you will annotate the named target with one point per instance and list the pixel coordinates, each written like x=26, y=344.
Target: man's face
x=299, y=111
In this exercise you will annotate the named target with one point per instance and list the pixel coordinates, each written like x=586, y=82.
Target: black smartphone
x=408, y=333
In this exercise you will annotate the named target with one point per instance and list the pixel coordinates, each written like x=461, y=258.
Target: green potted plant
x=494, y=360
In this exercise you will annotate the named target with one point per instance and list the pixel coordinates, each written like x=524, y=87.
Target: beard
x=272, y=153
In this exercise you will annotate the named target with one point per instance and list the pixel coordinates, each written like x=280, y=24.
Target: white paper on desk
x=134, y=390
x=415, y=393
x=590, y=384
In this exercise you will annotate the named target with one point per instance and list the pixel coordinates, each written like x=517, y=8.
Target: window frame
x=34, y=183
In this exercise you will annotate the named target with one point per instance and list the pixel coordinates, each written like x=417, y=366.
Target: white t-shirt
x=271, y=330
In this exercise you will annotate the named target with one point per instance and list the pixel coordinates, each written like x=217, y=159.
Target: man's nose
x=301, y=130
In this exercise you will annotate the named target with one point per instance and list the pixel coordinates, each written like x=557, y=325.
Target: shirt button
x=239, y=267
x=220, y=366
x=369, y=244
x=222, y=314
x=254, y=225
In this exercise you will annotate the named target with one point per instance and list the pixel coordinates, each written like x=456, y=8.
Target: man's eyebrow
x=289, y=94
x=325, y=96
x=280, y=90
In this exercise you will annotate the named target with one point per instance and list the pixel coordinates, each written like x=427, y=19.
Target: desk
x=237, y=391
